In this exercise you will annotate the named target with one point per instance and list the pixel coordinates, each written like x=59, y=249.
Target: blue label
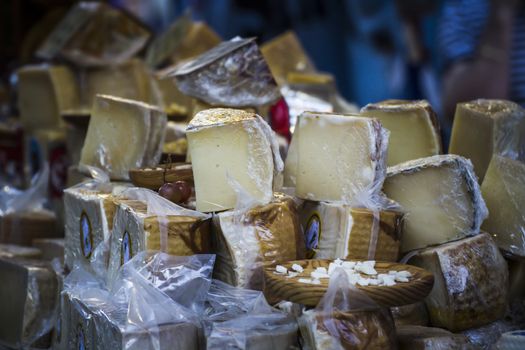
x=86, y=236
x=126, y=252
x=312, y=234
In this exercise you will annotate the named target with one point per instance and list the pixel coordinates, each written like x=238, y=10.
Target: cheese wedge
x=264, y=235
x=484, y=127
x=44, y=91
x=231, y=144
x=429, y=338
x=339, y=157
x=334, y=230
x=123, y=134
x=413, y=126
x=441, y=198
x=470, y=282
x=504, y=191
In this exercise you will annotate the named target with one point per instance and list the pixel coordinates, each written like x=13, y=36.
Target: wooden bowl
x=280, y=287
x=155, y=178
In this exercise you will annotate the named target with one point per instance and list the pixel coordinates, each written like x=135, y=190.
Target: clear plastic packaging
x=429, y=338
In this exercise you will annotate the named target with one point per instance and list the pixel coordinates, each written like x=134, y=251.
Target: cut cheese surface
x=471, y=282
x=484, y=127
x=441, y=198
x=413, y=126
x=123, y=134
x=504, y=191
x=339, y=157
x=226, y=145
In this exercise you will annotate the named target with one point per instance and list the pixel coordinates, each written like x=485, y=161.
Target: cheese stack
x=123, y=134
x=247, y=241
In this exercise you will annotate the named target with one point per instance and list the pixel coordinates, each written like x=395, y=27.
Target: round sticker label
x=81, y=341
x=86, y=236
x=126, y=251
x=312, y=234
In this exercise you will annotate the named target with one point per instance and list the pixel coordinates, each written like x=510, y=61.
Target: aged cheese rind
x=413, y=126
x=504, y=191
x=231, y=144
x=441, y=198
x=123, y=134
x=339, y=231
x=471, y=282
x=486, y=127
x=340, y=157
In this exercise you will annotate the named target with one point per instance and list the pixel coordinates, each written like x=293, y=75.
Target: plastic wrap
x=233, y=73
x=252, y=237
x=230, y=143
x=334, y=230
x=428, y=338
x=441, y=198
x=95, y=34
x=147, y=221
x=503, y=189
x=346, y=318
x=511, y=341
x=485, y=337
x=500, y=129
x=471, y=282
x=113, y=121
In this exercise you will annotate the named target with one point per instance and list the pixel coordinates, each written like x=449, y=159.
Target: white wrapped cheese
x=232, y=145
x=441, y=198
x=471, y=282
x=339, y=157
x=123, y=134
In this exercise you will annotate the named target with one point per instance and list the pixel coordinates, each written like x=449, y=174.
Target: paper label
x=312, y=235
x=86, y=235
x=126, y=250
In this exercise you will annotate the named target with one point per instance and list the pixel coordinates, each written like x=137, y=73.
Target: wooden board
x=154, y=178
x=279, y=287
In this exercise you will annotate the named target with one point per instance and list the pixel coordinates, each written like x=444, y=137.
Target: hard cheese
x=339, y=157
x=484, y=127
x=339, y=231
x=430, y=338
x=413, y=126
x=231, y=145
x=504, y=191
x=441, y=198
x=470, y=282
x=123, y=134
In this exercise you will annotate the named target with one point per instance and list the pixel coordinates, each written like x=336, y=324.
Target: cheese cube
x=123, y=134
x=504, y=191
x=44, y=91
x=470, y=282
x=264, y=235
x=339, y=231
x=483, y=127
x=339, y=157
x=413, y=126
x=230, y=144
x=441, y=198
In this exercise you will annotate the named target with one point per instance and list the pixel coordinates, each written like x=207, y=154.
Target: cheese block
x=413, y=126
x=487, y=337
x=359, y=329
x=290, y=163
x=13, y=251
x=516, y=279
x=504, y=191
x=245, y=242
x=28, y=302
x=485, y=127
x=24, y=226
x=430, y=338
x=334, y=230
x=410, y=315
x=199, y=39
x=461, y=297
x=44, y=91
x=172, y=99
x=51, y=248
x=123, y=134
x=89, y=213
x=339, y=157
x=137, y=227
x=230, y=144
x=441, y=198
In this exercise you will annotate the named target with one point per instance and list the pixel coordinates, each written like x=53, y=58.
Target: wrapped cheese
x=51, y=248
x=461, y=297
x=10, y=251
x=22, y=227
x=410, y=315
x=113, y=121
x=413, y=126
x=429, y=338
x=486, y=337
x=248, y=240
x=28, y=303
x=232, y=144
x=511, y=341
x=441, y=198
x=339, y=157
x=486, y=127
x=339, y=231
x=504, y=191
